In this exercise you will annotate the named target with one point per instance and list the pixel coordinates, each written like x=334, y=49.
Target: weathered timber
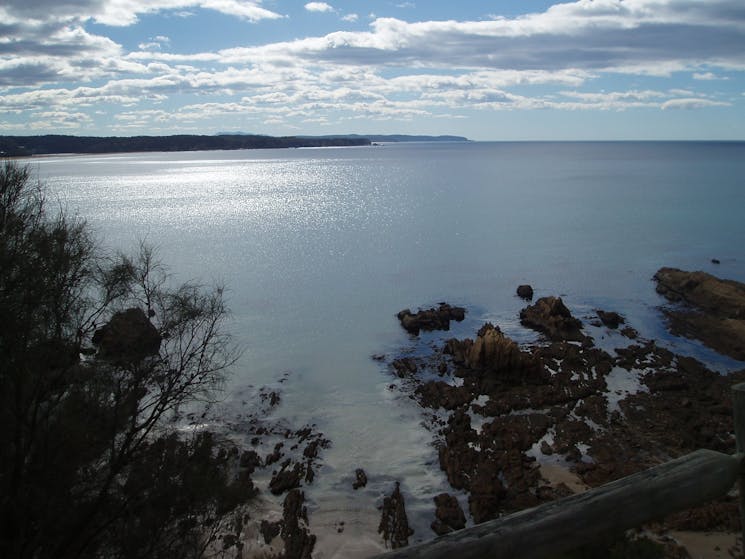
x=738, y=408
x=582, y=519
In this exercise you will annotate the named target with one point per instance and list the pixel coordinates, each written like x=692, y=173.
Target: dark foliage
x=90, y=462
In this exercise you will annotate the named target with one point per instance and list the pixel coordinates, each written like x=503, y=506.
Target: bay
x=319, y=248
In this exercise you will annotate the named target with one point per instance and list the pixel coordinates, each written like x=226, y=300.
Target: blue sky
x=499, y=70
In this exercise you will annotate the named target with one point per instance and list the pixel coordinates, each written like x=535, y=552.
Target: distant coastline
x=398, y=138
x=14, y=146
x=20, y=146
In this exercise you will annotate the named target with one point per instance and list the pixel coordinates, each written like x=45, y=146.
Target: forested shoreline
x=18, y=146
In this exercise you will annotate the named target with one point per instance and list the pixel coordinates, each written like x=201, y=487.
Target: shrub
x=97, y=355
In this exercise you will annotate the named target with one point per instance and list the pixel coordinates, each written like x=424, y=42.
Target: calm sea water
x=320, y=248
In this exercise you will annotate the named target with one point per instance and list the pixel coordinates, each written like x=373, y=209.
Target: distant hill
x=382, y=137
x=43, y=145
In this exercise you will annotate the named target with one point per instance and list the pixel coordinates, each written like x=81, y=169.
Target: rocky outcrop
x=604, y=414
x=286, y=478
x=440, y=394
x=129, y=337
x=713, y=309
x=299, y=542
x=394, y=525
x=430, y=319
x=550, y=316
x=723, y=298
x=493, y=351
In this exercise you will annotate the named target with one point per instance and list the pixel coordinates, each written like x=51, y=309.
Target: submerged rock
x=550, y=316
x=430, y=319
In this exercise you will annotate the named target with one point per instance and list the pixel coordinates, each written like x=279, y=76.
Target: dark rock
x=270, y=530
x=495, y=352
x=486, y=492
x=299, y=542
x=449, y=515
x=715, y=312
x=360, y=478
x=611, y=319
x=286, y=478
x=431, y=319
x=404, y=366
x=525, y=292
x=275, y=455
x=550, y=316
x=439, y=394
x=630, y=333
x=311, y=451
x=394, y=525
x=682, y=407
x=129, y=337
x=249, y=461
x=715, y=261
x=721, y=298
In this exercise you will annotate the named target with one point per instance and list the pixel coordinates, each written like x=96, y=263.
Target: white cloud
x=126, y=12
x=319, y=7
x=693, y=103
x=392, y=70
x=708, y=76
x=155, y=43
x=644, y=37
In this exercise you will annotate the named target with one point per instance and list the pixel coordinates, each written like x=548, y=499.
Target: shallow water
x=319, y=249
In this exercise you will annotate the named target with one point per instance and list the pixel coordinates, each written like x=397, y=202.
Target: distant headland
x=400, y=138
x=17, y=146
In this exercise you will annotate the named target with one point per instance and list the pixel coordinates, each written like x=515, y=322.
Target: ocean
x=320, y=248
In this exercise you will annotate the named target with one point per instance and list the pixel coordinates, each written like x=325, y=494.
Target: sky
x=487, y=70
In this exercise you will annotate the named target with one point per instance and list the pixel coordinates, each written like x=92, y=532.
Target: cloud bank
x=50, y=62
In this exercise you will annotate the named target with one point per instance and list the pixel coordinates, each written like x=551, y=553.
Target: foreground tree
x=97, y=355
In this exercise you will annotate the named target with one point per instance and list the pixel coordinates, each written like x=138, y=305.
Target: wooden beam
x=582, y=519
x=738, y=407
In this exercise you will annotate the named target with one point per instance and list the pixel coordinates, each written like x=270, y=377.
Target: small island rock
x=128, y=337
x=550, y=316
x=430, y=319
x=525, y=292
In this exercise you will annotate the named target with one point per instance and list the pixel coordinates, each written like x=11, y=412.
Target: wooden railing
x=585, y=518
